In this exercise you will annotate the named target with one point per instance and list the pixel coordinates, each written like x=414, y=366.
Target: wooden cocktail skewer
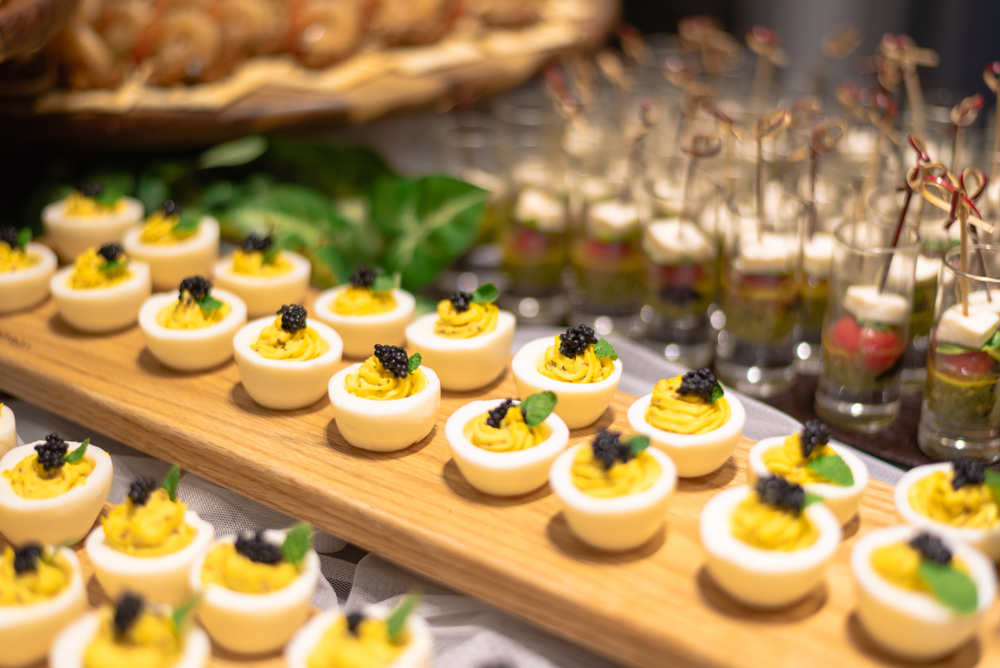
x=824, y=138
x=765, y=43
x=903, y=53
x=912, y=176
x=730, y=133
x=647, y=120
x=613, y=69
x=768, y=125
x=991, y=75
x=634, y=45
x=700, y=146
x=836, y=45
x=693, y=92
x=973, y=175
x=882, y=116
x=963, y=115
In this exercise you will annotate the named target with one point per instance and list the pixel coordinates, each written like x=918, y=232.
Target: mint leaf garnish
x=170, y=482
x=832, y=468
x=210, y=303
x=950, y=587
x=108, y=196
x=271, y=252
x=638, y=444
x=385, y=282
x=604, y=349
x=992, y=483
x=413, y=363
x=811, y=498
x=396, y=621
x=297, y=543
x=78, y=453
x=537, y=407
x=181, y=614
x=114, y=265
x=485, y=294
x=187, y=221
x=24, y=237
x=717, y=393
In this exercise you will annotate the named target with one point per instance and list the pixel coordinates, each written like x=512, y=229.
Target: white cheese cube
x=772, y=254
x=674, y=241
x=971, y=331
x=547, y=212
x=816, y=255
x=612, y=219
x=865, y=302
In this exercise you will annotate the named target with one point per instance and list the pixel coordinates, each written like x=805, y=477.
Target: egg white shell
x=172, y=263
x=70, y=645
x=27, y=631
x=986, y=541
x=384, y=426
x=72, y=235
x=580, y=404
x=693, y=454
x=503, y=473
x=617, y=523
x=843, y=502
x=462, y=364
x=264, y=295
x=100, y=310
x=8, y=430
x=162, y=579
x=764, y=578
x=285, y=384
x=912, y=624
x=191, y=349
x=361, y=332
x=62, y=520
x=417, y=654
x=255, y=623
x=23, y=289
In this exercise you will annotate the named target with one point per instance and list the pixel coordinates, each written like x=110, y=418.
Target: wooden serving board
x=652, y=606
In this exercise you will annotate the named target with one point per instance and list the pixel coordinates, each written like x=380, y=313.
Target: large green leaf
x=300, y=216
x=335, y=169
x=233, y=153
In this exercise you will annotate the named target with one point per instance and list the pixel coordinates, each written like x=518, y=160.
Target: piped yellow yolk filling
x=153, y=529
x=185, y=313
x=370, y=648
x=160, y=229
x=89, y=271
x=15, y=259
x=253, y=264
x=768, y=528
x=971, y=507
x=513, y=434
x=151, y=641
x=593, y=479
x=899, y=564
x=374, y=381
x=475, y=321
x=684, y=414
x=79, y=205
x=274, y=343
x=586, y=367
x=786, y=460
x=228, y=568
x=49, y=578
x=30, y=480
x=363, y=301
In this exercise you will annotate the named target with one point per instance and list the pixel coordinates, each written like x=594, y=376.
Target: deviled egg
x=505, y=447
x=689, y=419
x=467, y=342
x=809, y=459
x=366, y=311
x=194, y=330
x=25, y=270
x=102, y=291
x=91, y=216
x=147, y=544
x=264, y=276
x=52, y=491
x=256, y=590
x=614, y=492
x=285, y=362
x=8, y=430
x=175, y=244
x=580, y=369
x=767, y=545
x=41, y=591
x=387, y=403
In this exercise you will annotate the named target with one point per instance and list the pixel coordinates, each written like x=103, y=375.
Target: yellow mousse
x=186, y=313
x=684, y=414
x=513, y=434
x=369, y=648
x=46, y=581
x=274, y=343
x=79, y=205
x=475, y=321
x=30, y=480
x=899, y=563
x=15, y=259
x=586, y=367
x=89, y=271
x=160, y=229
x=152, y=641
x=228, y=568
x=374, y=381
x=623, y=478
x=363, y=301
x=252, y=264
x=769, y=528
x=153, y=529
x=787, y=461
x=970, y=507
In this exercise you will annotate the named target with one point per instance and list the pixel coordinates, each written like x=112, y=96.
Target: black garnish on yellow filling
x=140, y=489
x=931, y=547
x=127, y=609
x=197, y=286
x=363, y=277
x=254, y=243
x=780, y=493
x=8, y=235
x=496, y=415
x=93, y=189
x=575, y=340
x=967, y=472
x=170, y=207
x=51, y=453
x=354, y=620
x=26, y=557
x=609, y=448
x=460, y=300
x=813, y=433
x=293, y=317
x=257, y=548
x=701, y=383
x=394, y=359
x=110, y=252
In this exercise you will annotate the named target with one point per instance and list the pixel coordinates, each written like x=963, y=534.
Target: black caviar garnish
x=701, y=383
x=140, y=489
x=363, y=277
x=460, y=300
x=51, y=453
x=931, y=547
x=8, y=235
x=257, y=548
x=496, y=415
x=127, y=609
x=255, y=243
x=293, y=317
x=609, y=448
x=354, y=620
x=575, y=340
x=814, y=433
x=778, y=492
x=26, y=557
x=110, y=252
x=967, y=472
x=197, y=286
x=170, y=207
x=92, y=189
x=394, y=359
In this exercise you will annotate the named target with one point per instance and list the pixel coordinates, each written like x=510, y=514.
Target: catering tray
x=652, y=606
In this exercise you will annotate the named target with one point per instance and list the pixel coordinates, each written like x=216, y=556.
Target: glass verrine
x=866, y=324
x=961, y=408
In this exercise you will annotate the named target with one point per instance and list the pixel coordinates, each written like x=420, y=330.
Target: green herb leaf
x=233, y=153
x=210, y=303
x=385, y=282
x=413, y=363
x=949, y=586
x=812, y=498
x=604, y=349
x=114, y=265
x=638, y=444
x=537, y=407
x=78, y=452
x=271, y=252
x=832, y=468
x=396, y=621
x=109, y=196
x=946, y=348
x=993, y=343
x=152, y=190
x=717, y=393
x=485, y=294
x=187, y=222
x=992, y=483
x=297, y=543
x=181, y=614
x=24, y=237
x=170, y=482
